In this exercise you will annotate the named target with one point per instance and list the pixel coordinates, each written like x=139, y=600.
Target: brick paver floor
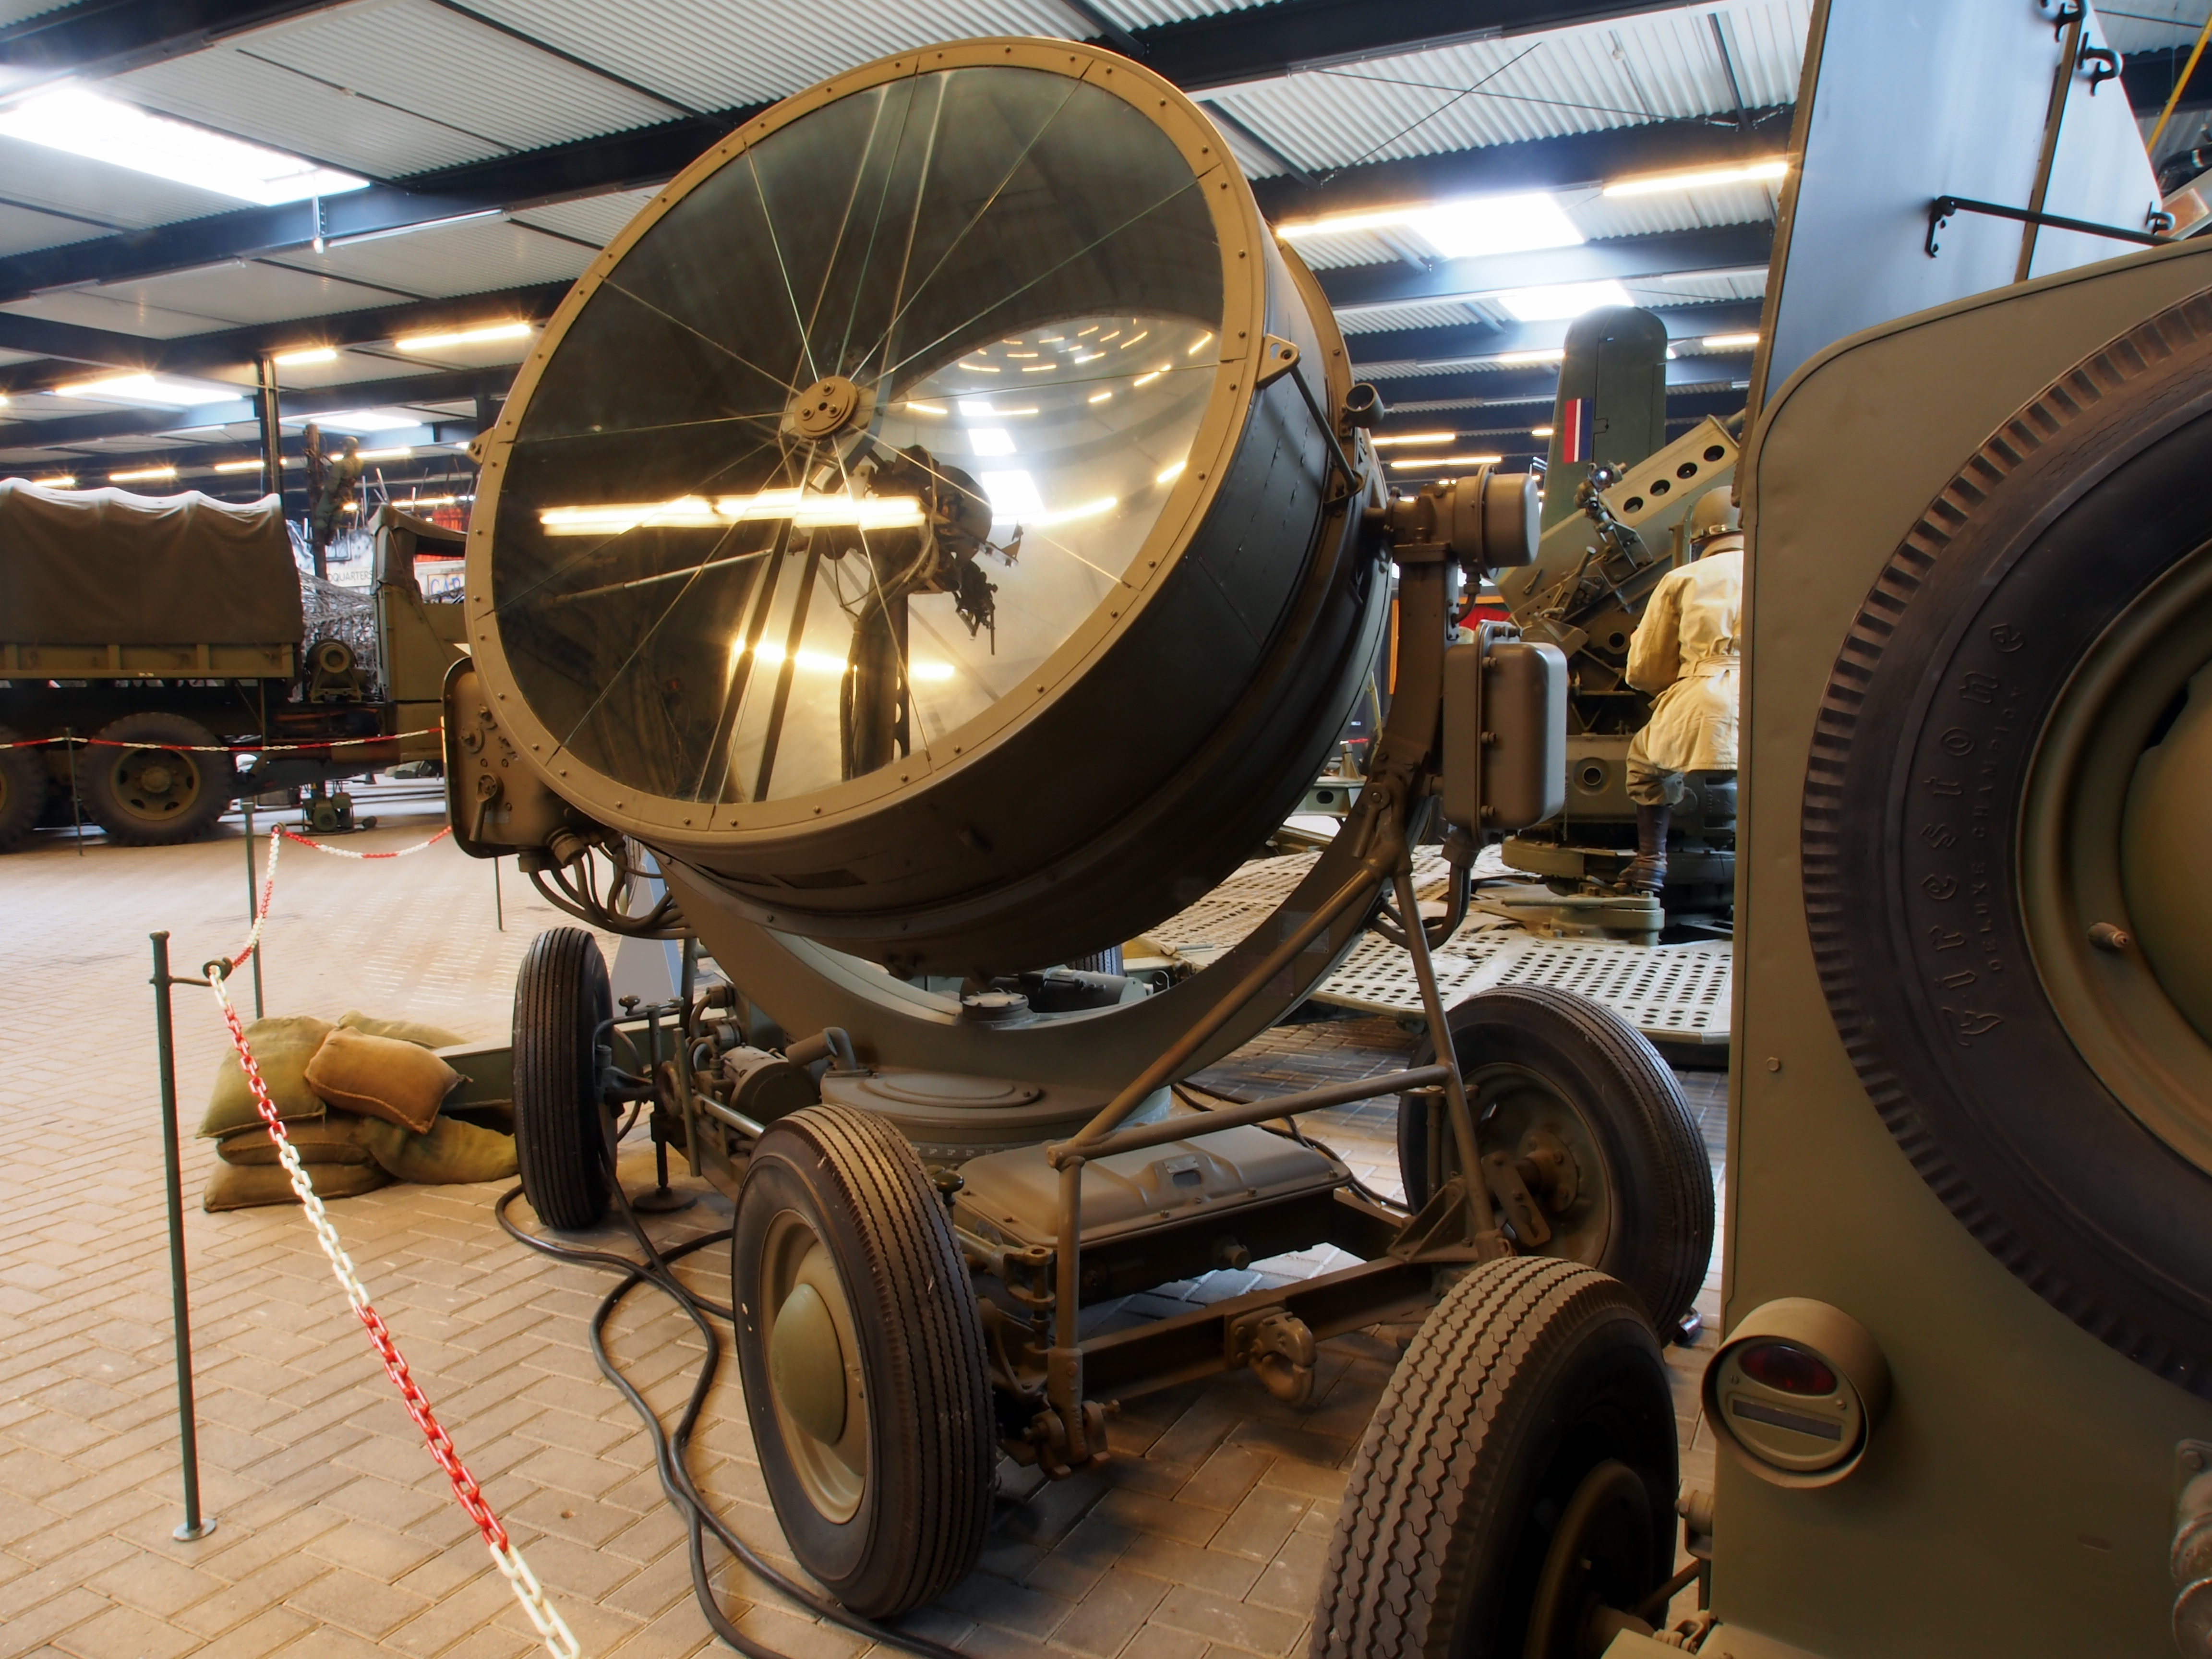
x=337, y=1535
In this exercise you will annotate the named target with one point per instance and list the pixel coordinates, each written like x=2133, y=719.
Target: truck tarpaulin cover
x=102, y=567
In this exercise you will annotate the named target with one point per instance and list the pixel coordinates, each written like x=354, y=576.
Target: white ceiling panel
x=231, y=88
x=93, y=308
x=24, y=228
x=470, y=258
x=31, y=175
x=414, y=55
x=248, y=291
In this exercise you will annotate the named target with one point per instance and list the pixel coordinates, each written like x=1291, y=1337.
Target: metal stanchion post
x=196, y=1525
x=253, y=902
x=76, y=802
x=498, y=899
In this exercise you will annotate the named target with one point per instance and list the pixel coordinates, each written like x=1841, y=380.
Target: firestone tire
x=861, y=1352
x=1940, y=788
x=1530, y=1381
x=168, y=781
x=563, y=1136
x=1644, y=1210
x=23, y=790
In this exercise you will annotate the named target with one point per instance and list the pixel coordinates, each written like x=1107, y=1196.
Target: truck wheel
x=1597, y=1123
x=161, y=786
x=861, y=1353
x=22, y=791
x=563, y=1136
x=1515, y=1494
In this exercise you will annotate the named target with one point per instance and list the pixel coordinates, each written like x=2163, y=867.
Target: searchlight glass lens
x=858, y=435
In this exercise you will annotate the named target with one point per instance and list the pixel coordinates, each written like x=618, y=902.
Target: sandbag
x=452, y=1151
x=338, y=1138
x=282, y=1048
x=235, y=1186
x=381, y=1077
x=403, y=1031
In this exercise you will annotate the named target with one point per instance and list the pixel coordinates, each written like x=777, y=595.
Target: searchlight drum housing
x=929, y=525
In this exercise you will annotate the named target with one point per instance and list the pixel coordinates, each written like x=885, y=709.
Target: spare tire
x=1982, y=832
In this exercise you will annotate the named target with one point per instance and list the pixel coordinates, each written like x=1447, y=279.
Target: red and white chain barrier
x=226, y=748
x=544, y=1615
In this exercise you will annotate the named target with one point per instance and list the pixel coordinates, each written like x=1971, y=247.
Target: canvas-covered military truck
x=167, y=636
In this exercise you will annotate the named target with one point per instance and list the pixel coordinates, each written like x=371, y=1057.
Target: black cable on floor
x=671, y=1450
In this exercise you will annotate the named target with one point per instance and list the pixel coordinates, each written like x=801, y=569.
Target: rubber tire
x=23, y=790
x=1527, y=1374
x=124, y=825
x=2038, y=544
x=563, y=1137
x=932, y=1440
x=1660, y=1243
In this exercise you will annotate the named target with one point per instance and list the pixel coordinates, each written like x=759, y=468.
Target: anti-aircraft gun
x=1617, y=504
x=938, y=539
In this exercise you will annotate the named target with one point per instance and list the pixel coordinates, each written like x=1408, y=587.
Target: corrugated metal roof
x=1147, y=14
x=468, y=257
x=418, y=56
x=2144, y=32
x=14, y=11
x=1663, y=66
x=712, y=55
x=240, y=91
x=1699, y=288
x=1448, y=314
x=595, y=219
x=244, y=291
x=94, y=308
x=21, y=228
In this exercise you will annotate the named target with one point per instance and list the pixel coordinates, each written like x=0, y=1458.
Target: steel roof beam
x=1677, y=252
x=1259, y=43
x=444, y=385
x=96, y=38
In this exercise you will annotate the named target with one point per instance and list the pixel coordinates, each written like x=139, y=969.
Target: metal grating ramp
x=1676, y=992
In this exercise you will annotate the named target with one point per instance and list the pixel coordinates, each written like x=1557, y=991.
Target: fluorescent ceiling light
x=989, y=441
x=1551, y=302
x=1414, y=438
x=238, y=466
x=466, y=336
x=133, y=389
x=1171, y=474
x=306, y=355
x=1417, y=462
x=1086, y=510
x=1522, y=359
x=360, y=422
x=915, y=408
x=1539, y=431
x=1730, y=341
x=60, y=481
x=1099, y=397
x=125, y=136
x=1465, y=226
x=142, y=474
x=398, y=454
x=1697, y=179
x=1199, y=343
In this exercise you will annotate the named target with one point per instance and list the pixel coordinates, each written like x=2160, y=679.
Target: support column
x=272, y=432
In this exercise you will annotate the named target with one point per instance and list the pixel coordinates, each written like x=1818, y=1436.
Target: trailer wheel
x=155, y=780
x=22, y=791
x=1515, y=1494
x=1578, y=1095
x=563, y=1136
x=861, y=1352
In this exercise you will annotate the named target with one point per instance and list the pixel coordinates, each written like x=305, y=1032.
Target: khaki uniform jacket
x=1685, y=649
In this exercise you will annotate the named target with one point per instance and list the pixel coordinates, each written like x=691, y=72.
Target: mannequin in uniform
x=1685, y=650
